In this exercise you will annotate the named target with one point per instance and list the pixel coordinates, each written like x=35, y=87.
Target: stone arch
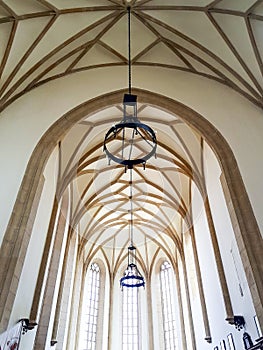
x=245, y=226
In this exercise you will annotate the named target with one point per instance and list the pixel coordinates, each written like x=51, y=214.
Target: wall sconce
x=208, y=339
x=27, y=325
x=238, y=321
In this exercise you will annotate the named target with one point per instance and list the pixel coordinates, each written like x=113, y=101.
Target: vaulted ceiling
x=161, y=192
x=45, y=40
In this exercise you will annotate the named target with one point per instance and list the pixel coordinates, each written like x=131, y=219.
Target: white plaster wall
x=27, y=283
x=212, y=290
x=67, y=297
x=235, y=275
x=241, y=299
x=23, y=122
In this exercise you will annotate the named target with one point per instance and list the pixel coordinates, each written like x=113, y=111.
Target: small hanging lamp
x=132, y=276
x=130, y=142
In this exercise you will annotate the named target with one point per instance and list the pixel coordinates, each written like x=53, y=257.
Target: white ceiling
x=43, y=40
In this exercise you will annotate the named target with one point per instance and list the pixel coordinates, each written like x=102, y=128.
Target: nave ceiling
x=44, y=40
x=100, y=189
x=47, y=40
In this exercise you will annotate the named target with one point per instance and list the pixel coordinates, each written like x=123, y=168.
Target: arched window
x=130, y=319
x=91, y=309
x=168, y=306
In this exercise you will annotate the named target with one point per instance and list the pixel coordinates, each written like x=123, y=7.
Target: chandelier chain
x=129, y=46
x=131, y=209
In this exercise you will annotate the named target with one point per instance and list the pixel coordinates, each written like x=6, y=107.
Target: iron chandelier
x=130, y=142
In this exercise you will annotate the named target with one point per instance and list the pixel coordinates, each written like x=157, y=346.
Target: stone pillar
x=208, y=337
x=111, y=312
x=150, y=313
x=61, y=323
x=189, y=308
x=181, y=312
x=50, y=293
x=76, y=306
x=218, y=259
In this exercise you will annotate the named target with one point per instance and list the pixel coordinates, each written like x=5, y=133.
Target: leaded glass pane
x=168, y=307
x=130, y=319
x=91, y=306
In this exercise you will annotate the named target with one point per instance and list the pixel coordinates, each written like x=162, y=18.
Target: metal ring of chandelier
x=132, y=276
x=130, y=124
x=136, y=126
x=135, y=281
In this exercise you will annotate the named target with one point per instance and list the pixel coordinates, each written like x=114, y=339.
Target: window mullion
x=168, y=306
x=91, y=309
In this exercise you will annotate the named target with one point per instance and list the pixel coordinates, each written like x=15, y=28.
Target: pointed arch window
x=91, y=308
x=168, y=306
x=130, y=319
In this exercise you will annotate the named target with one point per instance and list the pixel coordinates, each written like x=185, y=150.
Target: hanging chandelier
x=130, y=142
x=132, y=276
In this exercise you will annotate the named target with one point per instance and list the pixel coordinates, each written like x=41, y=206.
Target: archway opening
x=167, y=217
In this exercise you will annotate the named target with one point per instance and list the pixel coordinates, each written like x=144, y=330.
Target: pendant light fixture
x=130, y=142
x=132, y=276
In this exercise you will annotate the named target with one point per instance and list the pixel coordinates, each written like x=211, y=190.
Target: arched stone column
x=54, y=275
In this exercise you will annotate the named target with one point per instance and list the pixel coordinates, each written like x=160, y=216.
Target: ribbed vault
x=161, y=192
x=45, y=40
